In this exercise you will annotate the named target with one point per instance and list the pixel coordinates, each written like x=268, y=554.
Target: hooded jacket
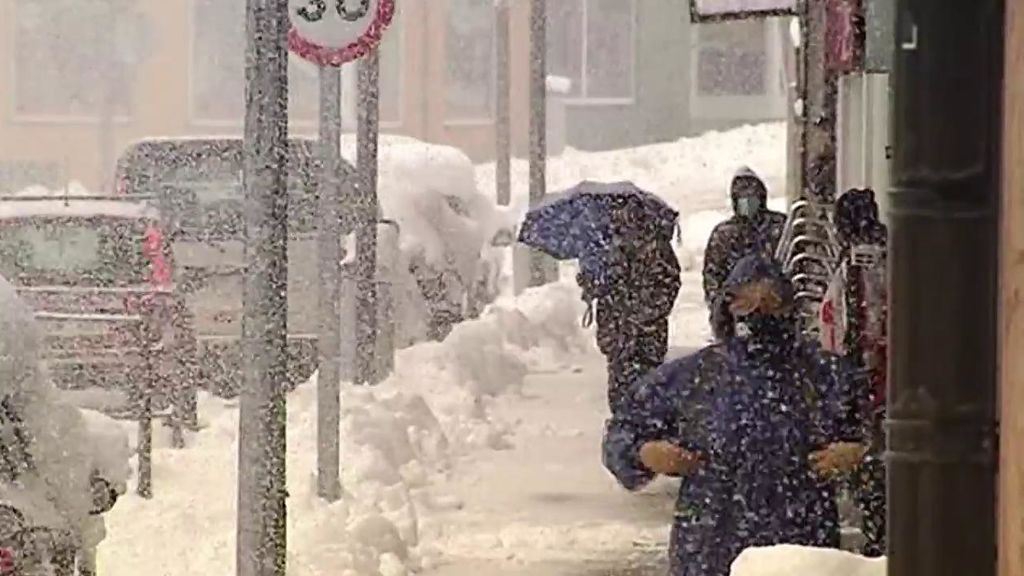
x=739, y=236
x=754, y=410
x=857, y=220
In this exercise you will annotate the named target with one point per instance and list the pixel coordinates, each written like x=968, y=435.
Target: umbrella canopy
x=577, y=223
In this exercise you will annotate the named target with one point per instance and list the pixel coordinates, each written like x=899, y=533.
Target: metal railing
x=809, y=253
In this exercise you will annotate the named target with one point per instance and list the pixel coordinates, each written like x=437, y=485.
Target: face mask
x=767, y=328
x=747, y=206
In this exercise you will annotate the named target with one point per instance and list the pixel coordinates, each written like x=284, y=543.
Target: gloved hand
x=837, y=458
x=663, y=457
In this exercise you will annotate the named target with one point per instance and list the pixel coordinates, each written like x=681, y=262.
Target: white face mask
x=747, y=206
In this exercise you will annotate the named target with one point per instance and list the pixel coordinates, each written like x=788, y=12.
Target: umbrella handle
x=588, y=315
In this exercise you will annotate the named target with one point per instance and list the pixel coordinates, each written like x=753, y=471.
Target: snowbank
x=398, y=439
x=691, y=174
x=804, y=561
x=432, y=192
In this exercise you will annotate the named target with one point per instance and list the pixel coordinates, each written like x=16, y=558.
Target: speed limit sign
x=333, y=32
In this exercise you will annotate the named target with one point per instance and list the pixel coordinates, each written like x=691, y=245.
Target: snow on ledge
x=558, y=84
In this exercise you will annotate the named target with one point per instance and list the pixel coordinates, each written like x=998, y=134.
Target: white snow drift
x=398, y=439
x=804, y=561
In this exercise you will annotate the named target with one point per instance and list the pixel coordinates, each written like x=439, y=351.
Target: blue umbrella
x=576, y=223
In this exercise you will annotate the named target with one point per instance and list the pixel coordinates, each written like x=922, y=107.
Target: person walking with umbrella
x=751, y=422
x=629, y=274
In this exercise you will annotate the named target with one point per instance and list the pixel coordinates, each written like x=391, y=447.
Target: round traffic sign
x=333, y=32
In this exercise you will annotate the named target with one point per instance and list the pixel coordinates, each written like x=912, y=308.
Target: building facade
x=76, y=92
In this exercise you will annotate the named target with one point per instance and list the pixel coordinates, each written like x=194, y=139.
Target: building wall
x=162, y=99
x=658, y=110
x=662, y=107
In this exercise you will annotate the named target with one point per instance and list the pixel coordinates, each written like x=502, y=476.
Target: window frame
x=197, y=120
x=17, y=117
x=583, y=99
x=492, y=114
x=725, y=107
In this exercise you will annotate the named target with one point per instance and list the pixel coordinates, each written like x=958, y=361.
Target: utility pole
x=538, y=124
x=946, y=112
x=819, y=99
x=503, y=128
x=329, y=255
x=366, y=226
x=262, y=513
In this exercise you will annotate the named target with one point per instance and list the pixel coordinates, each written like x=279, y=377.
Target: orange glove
x=663, y=457
x=837, y=458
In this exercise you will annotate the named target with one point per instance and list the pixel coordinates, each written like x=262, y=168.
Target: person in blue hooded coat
x=751, y=423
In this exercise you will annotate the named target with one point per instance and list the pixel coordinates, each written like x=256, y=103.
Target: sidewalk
x=547, y=507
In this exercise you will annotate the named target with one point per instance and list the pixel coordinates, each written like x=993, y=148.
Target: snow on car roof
x=71, y=208
x=73, y=201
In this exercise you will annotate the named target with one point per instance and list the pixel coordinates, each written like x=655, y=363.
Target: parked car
x=98, y=273
x=428, y=191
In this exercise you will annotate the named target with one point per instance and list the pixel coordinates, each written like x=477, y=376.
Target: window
x=732, y=59
x=218, y=68
x=469, y=45
x=58, y=46
x=391, y=69
x=95, y=251
x=592, y=43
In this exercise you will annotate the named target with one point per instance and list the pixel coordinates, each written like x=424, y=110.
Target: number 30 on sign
x=333, y=32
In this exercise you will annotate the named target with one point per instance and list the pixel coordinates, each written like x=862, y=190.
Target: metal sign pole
x=503, y=129
x=262, y=513
x=366, y=226
x=329, y=265
x=538, y=123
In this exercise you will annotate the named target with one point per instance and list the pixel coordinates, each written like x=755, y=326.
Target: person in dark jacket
x=751, y=423
x=853, y=322
x=753, y=228
x=634, y=299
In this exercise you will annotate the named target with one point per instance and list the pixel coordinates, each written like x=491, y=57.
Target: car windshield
x=217, y=210
x=94, y=251
x=207, y=195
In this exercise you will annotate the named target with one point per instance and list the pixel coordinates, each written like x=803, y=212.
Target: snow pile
x=491, y=356
x=398, y=440
x=804, y=561
x=432, y=192
x=691, y=174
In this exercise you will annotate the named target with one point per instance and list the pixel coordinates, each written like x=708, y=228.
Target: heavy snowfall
x=509, y=288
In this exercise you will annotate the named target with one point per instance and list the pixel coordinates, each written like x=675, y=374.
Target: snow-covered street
x=480, y=455
x=508, y=476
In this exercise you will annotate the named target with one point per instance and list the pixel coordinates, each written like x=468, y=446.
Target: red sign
x=844, y=35
x=334, y=32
